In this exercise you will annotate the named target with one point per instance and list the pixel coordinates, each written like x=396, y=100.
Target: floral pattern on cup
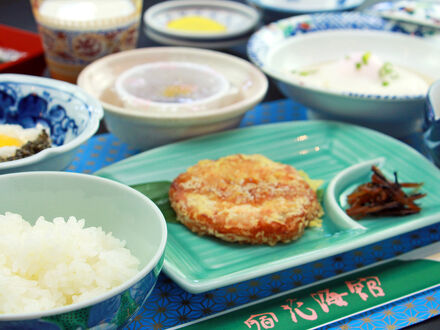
x=83, y=47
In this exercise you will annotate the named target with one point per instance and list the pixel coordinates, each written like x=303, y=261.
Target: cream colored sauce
x=363, y=73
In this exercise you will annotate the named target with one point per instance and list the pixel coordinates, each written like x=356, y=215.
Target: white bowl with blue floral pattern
x=312, y=39
x=69, y=114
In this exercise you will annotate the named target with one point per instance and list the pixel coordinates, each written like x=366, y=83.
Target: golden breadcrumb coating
x=244, y=198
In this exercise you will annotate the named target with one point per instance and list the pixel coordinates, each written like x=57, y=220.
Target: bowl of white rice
x=76, y=251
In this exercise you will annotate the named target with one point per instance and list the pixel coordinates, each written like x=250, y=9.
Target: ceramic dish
x=143, y=129
x=323, y=149
x=432, y=123
x=230, y=19
x=101, y=203
x=71, y=116
x=292, y=43
x=290, y=7
x=423, y=13
x=214, y=44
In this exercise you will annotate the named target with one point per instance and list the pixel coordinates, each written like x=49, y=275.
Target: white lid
x=171, y=86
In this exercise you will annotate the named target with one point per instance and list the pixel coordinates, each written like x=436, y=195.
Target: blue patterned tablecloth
x=169, y=305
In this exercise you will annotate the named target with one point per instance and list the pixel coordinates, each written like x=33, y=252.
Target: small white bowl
x=147, y=129
x=172, y=86
x=313, y=39
x=237, y=19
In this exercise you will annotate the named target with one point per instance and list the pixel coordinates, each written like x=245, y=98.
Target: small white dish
x=230, y=19
x=172, y=86
x=146, y=129
x=306, y=6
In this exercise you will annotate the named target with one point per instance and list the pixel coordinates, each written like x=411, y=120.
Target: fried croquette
x=244, y=198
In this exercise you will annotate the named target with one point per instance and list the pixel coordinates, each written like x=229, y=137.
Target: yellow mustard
x=196, y=24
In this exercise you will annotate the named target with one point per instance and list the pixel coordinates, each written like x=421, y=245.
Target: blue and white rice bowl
x=64, y=110
x=302, y=41
x=102, y=203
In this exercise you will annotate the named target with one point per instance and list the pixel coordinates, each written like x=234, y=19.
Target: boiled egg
x=13, y=137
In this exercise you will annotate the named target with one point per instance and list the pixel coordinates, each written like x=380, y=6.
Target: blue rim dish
x=277, y=32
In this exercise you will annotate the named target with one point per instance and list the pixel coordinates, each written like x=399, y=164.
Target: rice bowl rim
x=115, y=291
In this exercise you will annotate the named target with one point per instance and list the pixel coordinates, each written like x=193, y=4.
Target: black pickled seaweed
x=31, y=147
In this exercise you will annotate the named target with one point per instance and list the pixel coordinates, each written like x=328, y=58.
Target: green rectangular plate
x=320, y=148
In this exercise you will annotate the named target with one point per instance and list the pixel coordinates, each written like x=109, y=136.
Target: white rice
x=53, y=264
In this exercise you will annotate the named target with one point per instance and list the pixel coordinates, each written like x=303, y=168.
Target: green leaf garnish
x=387, y=72
x=158, y=193
x=386, y=69
x=320, y=195
x=366, y=57
x=358, y=65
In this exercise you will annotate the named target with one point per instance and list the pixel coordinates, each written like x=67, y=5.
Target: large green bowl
x=116, y=208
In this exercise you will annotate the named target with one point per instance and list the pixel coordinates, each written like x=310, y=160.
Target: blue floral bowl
x=432, y=123
x=101, y=203
x=70, y=115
